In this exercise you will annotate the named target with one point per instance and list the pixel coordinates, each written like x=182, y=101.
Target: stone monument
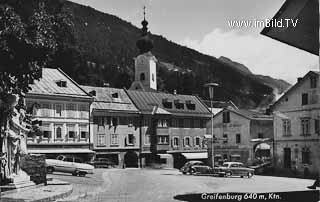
x=13, y=136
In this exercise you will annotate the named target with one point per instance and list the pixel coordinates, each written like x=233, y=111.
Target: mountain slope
x=104, y=49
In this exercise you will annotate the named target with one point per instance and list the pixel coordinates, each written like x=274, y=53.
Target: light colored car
x=68, y=164
x=236, y=169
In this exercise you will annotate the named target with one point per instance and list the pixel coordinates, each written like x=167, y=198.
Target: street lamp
x=211, y=86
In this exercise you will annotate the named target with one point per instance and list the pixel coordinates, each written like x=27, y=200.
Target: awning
x=58, y=151
x=260, y=140
x=165, y=156
x=202, y=155
x=263, y=146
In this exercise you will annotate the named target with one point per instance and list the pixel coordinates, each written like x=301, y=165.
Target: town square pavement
x=136, y=185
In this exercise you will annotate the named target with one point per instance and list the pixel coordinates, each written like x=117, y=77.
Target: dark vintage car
x=192, y=166
x=236, y=169
x=102, y=163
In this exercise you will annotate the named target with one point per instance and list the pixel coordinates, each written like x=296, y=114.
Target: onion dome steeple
x=144, y=43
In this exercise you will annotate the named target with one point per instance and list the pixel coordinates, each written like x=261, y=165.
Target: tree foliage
x=27, y=44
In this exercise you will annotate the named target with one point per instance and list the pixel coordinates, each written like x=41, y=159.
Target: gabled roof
x=305, y=35
x=248, y=114
x=47, y=85
x=316, y=73
x=103, y=100
x=145, y=102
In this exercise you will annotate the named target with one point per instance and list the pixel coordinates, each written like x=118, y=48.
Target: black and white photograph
x=159, y=101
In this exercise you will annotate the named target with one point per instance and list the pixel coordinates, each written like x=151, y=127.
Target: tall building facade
x=297, y=126
x=63, y=108
x=115, y=126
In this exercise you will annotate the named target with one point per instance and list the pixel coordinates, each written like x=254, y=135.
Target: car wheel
x=184, y=173
x=50, y=170
x=82, y=174
x=249, y=174
x=228, y=174
x=192, y=172
x=75, y=173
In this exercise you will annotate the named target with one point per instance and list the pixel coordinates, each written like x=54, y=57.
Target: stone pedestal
x=21, y=180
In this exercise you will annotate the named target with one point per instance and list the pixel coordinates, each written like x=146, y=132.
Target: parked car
x=192, y=166
x=236, y=169
x=68, y=164
x=102, y=163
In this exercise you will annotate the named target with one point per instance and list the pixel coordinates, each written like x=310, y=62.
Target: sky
x=203, y=26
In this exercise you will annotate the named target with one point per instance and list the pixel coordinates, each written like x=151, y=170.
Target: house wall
x=291, y=108
x=248, y=129
x=76, y=120
x=79, y=118
x=103, y=134
x=151, y=131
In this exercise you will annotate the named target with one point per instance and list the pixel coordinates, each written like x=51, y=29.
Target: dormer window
x=93, y=93
x=178, y=104
x=190, y=105
x=166, y=103
x=115, y=95
x=61, y=83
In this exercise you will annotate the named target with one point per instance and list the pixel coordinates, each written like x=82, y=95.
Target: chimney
x=299, y=79
x=174, y=92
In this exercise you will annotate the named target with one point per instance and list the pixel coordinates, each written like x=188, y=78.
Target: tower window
x=152, y=77
x=142, y=77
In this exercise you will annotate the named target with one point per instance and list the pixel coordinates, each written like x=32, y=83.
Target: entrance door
x=287, y=157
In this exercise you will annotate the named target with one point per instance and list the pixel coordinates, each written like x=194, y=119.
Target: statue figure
x=13, y=137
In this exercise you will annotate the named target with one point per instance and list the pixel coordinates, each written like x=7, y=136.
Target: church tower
x=145, y=63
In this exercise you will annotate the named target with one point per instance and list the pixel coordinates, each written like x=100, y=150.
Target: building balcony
x=57, y=141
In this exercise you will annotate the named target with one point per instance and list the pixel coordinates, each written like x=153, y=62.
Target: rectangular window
x=147, y=139
x=84, y=111
x=114, y=121
x=286, y=127
x=305, y=156
x=71, y=110
x=101, y=140
x=187, y=123
x=46, y=110
x=163, y=139
x=196, y=123
x=197, y=141
x=260, y=135
x=130, y=121
x=146, y=122
x=304, y=98
x=226, y=117
x=114, y=139
x=71, y=132
x=46, y=132
x=101, y=121
x=58, y=131
x=305, y=126
x=181, y=122
x=225, y=138
x=84, y=132
x=58, y=110
x=175, y=142
x=175, y=123
x=162, y=123
x=130, y=139
x=238, y=138
x=313, y=82
x=317, y=126
x=187, y=142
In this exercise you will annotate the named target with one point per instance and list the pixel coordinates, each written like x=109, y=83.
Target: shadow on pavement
x=298, y=196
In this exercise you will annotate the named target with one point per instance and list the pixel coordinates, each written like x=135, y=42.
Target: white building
x=63, y=107
x=297, y=126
